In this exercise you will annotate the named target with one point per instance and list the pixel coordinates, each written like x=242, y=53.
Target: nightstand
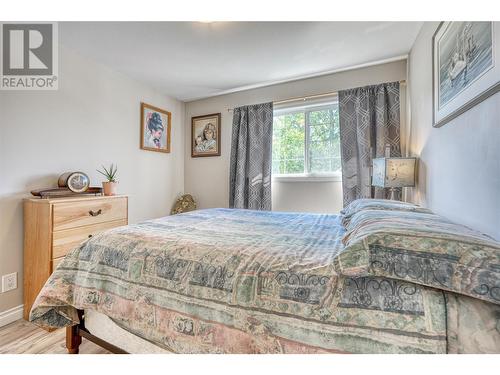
x=55, y=226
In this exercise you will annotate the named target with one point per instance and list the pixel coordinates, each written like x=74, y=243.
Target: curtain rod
x=310, y=97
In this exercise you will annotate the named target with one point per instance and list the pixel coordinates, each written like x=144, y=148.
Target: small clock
x=77, y=182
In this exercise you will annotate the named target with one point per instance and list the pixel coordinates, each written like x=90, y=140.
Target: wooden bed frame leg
x=74, y=336
x=73, y=339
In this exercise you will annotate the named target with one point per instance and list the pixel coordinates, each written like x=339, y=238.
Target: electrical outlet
x=9, y=282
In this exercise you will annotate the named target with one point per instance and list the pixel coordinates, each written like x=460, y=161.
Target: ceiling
x=192, y=60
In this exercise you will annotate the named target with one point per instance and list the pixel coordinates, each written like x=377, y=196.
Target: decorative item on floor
x=69, y=184
x=185, y=203
x=466, y=67
x=205, y=135
x=155, y=128
x=393, y=173
x=110, y=185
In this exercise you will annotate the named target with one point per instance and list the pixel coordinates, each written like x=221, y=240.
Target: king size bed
x=383, y=277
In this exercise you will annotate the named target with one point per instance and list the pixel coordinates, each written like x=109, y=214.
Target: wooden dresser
x=53, y=227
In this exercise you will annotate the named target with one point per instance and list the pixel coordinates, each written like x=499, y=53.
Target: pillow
x=422, y=248
x=377, y=204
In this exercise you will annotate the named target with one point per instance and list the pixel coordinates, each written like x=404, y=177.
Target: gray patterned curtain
x=251, y=159
x=369, y=119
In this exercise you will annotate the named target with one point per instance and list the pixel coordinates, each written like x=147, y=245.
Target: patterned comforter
x=241, y=281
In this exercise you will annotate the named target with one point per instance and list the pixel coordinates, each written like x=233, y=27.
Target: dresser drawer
x=88, y=212
x=65, y=240
x=55, y=226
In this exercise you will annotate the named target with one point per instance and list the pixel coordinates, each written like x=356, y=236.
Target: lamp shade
x=394, y=172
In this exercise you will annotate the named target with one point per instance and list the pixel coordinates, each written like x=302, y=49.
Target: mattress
x=103, y=327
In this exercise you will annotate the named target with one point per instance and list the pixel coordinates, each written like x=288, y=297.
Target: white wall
x=92, y=119
x=207, y=179
x=459, y=163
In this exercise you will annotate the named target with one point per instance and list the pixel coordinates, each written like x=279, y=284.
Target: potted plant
x=109, y=186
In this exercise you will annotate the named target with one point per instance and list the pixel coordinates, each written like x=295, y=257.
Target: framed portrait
x=465, y=67
x=205, y=135
x=155, y=128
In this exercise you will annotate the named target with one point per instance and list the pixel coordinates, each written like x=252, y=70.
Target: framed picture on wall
x=466, y=67
x=155, y=128
x=205, y=135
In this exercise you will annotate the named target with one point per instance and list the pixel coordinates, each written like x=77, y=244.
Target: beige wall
x=92, y=119
x=318, y=196
x=207, y=179
x=459, y=163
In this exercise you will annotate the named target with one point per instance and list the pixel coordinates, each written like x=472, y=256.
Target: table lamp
x=393, y=173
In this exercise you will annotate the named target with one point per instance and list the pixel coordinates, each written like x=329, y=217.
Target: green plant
x=110, y=173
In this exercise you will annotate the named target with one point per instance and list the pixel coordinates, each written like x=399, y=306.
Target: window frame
x=307, y=176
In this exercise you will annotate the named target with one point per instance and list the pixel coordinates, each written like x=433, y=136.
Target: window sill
x=307, y=178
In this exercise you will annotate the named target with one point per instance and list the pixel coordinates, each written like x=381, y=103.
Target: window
x=306, y=141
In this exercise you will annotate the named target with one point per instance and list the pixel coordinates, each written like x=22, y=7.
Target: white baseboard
x=11, y=315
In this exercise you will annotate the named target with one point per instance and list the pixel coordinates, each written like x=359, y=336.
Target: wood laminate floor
x=23, y=337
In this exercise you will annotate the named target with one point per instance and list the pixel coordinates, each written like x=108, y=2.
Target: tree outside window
x=306, y=141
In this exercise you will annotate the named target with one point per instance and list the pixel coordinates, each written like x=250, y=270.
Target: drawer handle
x=95, y=213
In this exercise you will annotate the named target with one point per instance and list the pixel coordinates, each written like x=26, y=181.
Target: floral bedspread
x=241, y=281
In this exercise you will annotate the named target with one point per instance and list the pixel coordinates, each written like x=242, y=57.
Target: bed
x=242, y=281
